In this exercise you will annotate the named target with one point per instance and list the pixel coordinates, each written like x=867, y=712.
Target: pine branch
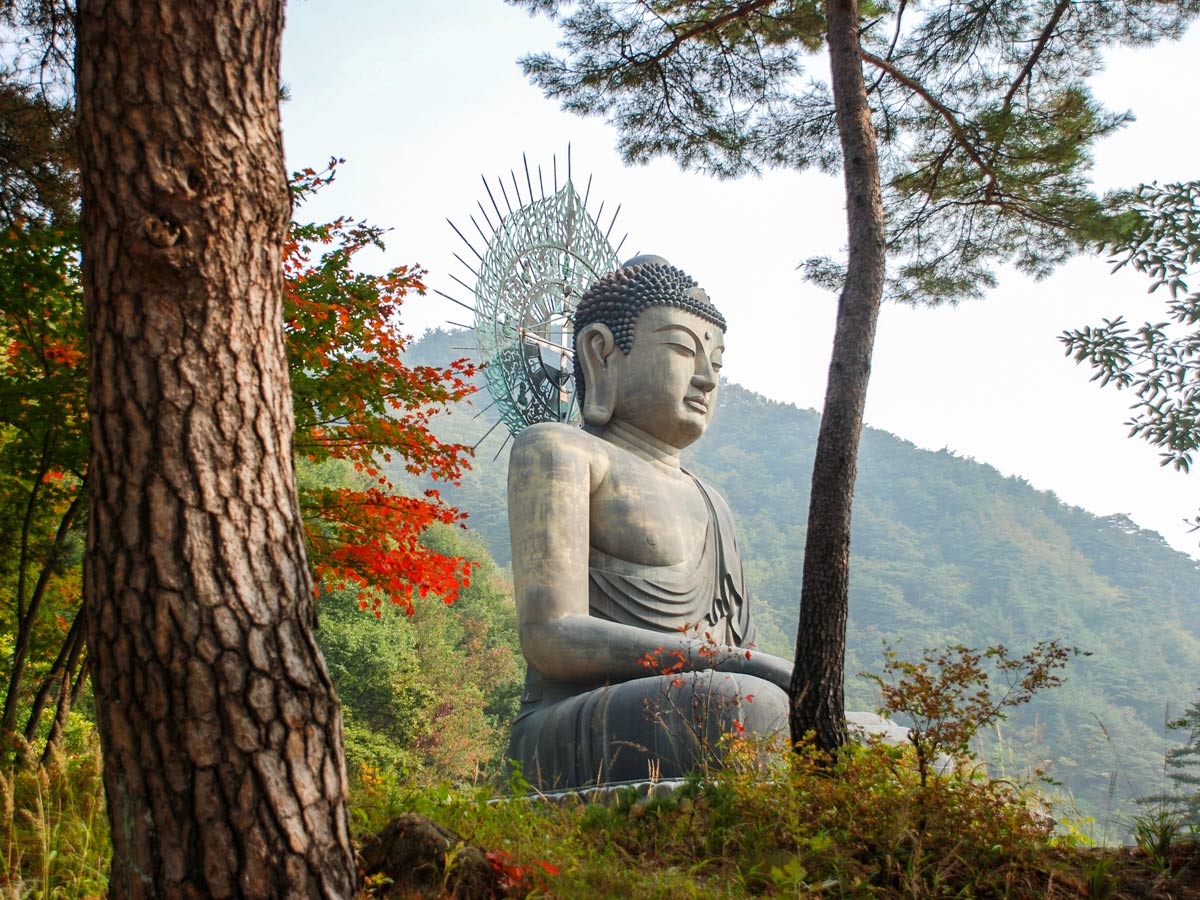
x=956, y=129
x=700, y=29
x=1038, y=49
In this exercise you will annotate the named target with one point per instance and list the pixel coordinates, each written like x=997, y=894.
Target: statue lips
x=697, y=402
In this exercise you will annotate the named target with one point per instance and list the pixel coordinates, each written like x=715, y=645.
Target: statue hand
x=780, y=671
x=770, y=668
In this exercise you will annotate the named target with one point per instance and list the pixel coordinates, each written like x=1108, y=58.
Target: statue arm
x=551, y=475
x=584, y=648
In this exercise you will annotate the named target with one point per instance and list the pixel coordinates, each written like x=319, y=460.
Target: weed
x=1098, y=881
x=53, y=829
x=1155, y=833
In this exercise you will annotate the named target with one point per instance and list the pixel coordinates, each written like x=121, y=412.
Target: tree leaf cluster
x=356, y=400
x=697, y=81
x=1158, y=361
x=402, y=710
x=38, y=166
x=38, y=172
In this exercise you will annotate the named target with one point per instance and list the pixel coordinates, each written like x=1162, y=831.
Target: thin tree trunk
x=63, y=664
x=73, y=677
x=817, y=687
x=222, y=738
x=66, y=703
x=27, y=612
x=24, y=625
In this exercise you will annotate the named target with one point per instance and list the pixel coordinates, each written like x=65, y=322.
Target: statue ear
x=595, y=345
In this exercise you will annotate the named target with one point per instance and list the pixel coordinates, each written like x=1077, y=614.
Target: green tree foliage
x=357, y=403
x=1158, y=361
x=1183, y=766
x=982, y=111
x=43, y=461
x=431, y=692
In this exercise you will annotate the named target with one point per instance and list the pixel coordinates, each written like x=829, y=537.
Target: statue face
x=667, y=385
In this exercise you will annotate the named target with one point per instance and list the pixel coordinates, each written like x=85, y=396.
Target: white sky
x=421, y=98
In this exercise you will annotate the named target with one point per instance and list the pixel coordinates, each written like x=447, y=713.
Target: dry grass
x=53, y=830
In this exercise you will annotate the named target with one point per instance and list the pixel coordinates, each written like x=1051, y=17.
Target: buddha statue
x=633, y=612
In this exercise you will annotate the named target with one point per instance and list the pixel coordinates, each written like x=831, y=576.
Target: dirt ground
x=1127, y=873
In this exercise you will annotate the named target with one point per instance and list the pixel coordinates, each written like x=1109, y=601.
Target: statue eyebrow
x=675, y=326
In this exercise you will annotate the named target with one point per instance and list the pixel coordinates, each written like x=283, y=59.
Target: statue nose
x=705, y=378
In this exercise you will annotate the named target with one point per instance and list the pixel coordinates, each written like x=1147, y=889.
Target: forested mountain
x=945, y=550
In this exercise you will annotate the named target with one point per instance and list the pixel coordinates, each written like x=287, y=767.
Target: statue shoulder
x=550, y=436
x=558, y=444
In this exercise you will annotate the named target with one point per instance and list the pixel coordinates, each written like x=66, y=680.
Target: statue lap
x=663, y=726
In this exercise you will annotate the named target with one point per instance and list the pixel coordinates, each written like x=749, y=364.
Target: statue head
x=649, y=299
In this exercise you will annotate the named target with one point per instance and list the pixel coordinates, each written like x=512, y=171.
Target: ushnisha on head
x=617, y=299
x=607, y=319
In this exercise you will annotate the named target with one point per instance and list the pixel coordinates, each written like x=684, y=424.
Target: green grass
x=865, y=829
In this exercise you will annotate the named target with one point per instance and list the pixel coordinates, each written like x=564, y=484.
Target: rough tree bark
x=222, y=739
x=817, y=683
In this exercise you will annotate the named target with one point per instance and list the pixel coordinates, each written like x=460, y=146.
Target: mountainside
x=945, y=550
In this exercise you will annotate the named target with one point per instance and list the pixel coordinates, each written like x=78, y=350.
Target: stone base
x=608, y=793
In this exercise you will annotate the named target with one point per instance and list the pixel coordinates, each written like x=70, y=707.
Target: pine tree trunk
x=222, y=738
x=817, y=688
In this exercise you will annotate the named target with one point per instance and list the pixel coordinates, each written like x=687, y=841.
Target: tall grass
x=53, y=829
x=865, y=829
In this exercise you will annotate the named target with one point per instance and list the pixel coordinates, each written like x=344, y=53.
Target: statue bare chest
x=648, y=517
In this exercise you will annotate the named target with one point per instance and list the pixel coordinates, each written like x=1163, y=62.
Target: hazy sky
x=424, y=98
